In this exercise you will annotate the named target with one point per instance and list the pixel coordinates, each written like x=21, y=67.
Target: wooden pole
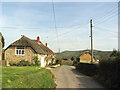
x=91, y=40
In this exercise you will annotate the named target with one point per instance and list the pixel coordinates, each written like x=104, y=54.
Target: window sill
x=18, y=55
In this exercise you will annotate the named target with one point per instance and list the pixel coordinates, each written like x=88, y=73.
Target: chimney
x=22, y=35
x=46, y=44
x=38, y=39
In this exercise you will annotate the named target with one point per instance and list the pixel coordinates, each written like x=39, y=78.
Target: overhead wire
x=104, y=29
x=69, y=31
x=55, y=25
x=106, y=19
x=111, y=11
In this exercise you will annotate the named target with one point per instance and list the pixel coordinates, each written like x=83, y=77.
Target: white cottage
x=27, y=49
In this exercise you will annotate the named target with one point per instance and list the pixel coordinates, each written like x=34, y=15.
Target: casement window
x=19, y=50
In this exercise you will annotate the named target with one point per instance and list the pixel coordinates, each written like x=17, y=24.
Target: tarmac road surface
x=67, y=77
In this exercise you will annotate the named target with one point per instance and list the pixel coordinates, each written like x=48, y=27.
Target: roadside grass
x=26, y=77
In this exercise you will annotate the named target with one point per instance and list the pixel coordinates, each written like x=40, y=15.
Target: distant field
x=69, y=54
x=27, y=77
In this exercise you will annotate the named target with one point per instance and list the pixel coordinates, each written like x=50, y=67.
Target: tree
x=114, y=53
x=3, y=41
x=72, y=58
x=36, y=61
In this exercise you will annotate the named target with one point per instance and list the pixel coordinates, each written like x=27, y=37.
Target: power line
x=111, y=11
x=106, y=19
x=105, y=29
x=55, y=23
x=71, y=30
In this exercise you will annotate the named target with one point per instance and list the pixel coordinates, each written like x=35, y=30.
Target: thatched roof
x=38, y=48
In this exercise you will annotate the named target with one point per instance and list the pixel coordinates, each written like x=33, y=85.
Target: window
x=19, y=50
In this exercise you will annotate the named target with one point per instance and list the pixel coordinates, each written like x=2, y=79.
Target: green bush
x=37, y=63
x=108, y=70
x=58, y=62
x=21, y=63
x=75, y=63
x=13, y=64
x=87, y=68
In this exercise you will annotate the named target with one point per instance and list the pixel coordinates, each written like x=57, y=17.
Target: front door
x=42, y=61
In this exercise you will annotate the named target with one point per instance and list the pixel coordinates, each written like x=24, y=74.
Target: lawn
x=26, y=77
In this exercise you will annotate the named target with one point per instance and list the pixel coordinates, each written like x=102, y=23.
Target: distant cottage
x=27, y=49
x=85, y=57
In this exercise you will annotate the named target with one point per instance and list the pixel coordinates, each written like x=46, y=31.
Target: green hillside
x=67, y=55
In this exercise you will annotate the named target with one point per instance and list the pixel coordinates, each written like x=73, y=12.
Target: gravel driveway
x=68, y=77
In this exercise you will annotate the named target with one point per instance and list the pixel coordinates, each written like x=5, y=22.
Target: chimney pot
x=38, y=39
x=46, y=44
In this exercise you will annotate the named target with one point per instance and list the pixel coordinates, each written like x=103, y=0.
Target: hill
x=67, y=55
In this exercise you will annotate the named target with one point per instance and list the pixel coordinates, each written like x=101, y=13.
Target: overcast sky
x=34, y=19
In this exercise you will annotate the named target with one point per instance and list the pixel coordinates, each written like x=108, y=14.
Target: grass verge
x=26, y=77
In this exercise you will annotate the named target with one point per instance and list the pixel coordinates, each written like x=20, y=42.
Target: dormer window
x=19, y=50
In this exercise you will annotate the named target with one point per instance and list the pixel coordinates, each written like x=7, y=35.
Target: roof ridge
x=38, y=48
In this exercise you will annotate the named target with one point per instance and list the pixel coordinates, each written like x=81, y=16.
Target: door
x=42, y=61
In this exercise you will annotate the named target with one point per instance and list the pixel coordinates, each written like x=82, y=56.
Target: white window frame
x=19, y=50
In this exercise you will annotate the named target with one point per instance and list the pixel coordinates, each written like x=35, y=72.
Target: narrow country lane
x=68, y=77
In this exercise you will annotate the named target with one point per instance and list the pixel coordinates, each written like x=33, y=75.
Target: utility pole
x=91, y=40
x=59, y=50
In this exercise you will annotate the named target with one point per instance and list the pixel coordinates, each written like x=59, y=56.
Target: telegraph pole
x=91, y=40
x=59, y=50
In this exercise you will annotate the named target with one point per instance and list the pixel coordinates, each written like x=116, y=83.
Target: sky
x=34, y=19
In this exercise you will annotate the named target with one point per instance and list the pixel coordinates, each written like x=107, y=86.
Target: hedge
x=87, y=68
x=106, y=71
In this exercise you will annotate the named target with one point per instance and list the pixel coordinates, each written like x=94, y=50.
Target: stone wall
x=10, y=56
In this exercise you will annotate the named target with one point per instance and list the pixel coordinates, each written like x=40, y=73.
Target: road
x=68, y=77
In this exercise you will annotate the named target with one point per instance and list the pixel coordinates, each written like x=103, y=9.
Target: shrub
x=12, y=64
x=65, y=59
x=87, y=68
x=72, y=58
x=58, y=62
x=23, y=63
x=36, y=61
x=75, y=63
x=108, y=70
